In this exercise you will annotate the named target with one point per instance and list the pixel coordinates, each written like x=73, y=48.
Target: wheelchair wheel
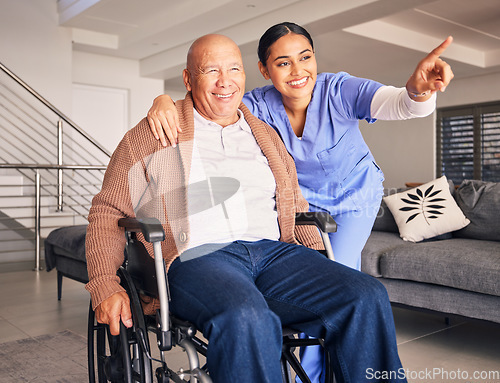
x=122, y=358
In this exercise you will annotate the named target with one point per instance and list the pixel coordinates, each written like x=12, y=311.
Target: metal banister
x=53, y=109
x=54, y=167
x=38, y=217
x=26, y=144
x=37, y=168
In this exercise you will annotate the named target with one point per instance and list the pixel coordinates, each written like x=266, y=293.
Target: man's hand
x=431, y=75
x=164, y=120
x=111, y=310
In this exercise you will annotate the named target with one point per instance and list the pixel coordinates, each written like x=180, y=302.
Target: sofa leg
x=447, y=321
x=59, y=285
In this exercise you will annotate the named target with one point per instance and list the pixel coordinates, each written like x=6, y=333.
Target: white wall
x=113, y=72
x=40, y=52
x=471, y=90
x=108, y=108
x=36, y=49
x=406, y=150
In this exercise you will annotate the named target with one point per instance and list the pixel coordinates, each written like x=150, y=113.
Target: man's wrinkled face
x=216, y=78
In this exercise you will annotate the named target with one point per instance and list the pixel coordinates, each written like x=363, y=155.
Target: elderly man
x=236, y=265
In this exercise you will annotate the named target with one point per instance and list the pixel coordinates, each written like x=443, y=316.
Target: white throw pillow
x=426, y=211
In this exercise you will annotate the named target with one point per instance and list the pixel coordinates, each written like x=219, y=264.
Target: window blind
x=490, y=160
x=468, y=142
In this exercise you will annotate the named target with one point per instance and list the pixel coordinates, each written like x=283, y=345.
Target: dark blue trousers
x=242, y=294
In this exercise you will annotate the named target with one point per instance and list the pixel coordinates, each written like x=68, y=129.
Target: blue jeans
x=241, y=295
x=353, y=230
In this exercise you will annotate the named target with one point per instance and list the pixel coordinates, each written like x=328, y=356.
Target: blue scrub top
x=336, y=170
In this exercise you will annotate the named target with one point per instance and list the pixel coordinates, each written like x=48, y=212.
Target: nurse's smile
x=298, y=83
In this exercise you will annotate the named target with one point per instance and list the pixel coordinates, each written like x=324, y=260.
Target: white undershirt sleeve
x=390, y=103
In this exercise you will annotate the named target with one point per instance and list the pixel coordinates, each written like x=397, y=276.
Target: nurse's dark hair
x=276, y=32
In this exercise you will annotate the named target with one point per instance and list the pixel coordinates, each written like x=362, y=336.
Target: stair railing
x=38, y=195
x=28, y=133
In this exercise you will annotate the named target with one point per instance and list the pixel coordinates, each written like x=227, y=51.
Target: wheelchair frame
x=127, y=357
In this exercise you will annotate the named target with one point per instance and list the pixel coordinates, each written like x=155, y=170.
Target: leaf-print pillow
x=426, y=211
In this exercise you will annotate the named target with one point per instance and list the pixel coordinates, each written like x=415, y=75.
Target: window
x=468, y=142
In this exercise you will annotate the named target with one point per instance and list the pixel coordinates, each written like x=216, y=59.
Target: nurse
x=317, y=117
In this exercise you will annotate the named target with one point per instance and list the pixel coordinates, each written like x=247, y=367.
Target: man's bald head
x=215, y=77
x=206, y=44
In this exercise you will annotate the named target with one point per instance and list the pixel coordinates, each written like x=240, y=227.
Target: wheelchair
x=128, y=357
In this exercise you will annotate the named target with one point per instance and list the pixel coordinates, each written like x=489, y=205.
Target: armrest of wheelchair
x=322, y=220
x=151, y=228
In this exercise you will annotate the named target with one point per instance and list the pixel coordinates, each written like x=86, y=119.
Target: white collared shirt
x=231, y=187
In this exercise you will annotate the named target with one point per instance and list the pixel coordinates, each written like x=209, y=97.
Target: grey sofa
x=454, y=274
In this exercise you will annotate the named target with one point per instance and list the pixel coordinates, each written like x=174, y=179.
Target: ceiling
x=378, y=39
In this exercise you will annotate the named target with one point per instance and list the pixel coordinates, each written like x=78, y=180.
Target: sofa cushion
x=377, y=245
x=467, y=264
x=480, y=202
x=426, y=211
x=385, y=220
x=443, y=299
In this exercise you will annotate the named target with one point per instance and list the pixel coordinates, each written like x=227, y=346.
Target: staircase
x=50, y=169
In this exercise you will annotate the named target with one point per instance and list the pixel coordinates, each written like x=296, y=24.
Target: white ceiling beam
x=167, y=64
x=395, y=35
x=68, y=9
x=167, y=21
x=96, y=39
x=492, y=58
x=361, y=13
x=320, y=15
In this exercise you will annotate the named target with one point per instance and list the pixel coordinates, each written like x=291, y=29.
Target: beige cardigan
x=141, y=169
